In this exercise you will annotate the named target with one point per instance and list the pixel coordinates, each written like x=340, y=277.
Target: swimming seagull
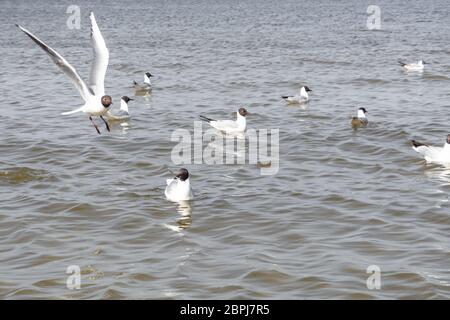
x=301, y=98
x=434, y=154
x=123, y=113
x=360, y=120
x=146, y=86
x=230, y=126
x=413, y=66
x=96, y=102
x=179, y=188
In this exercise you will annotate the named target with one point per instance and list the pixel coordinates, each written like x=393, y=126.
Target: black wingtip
x=417, y=144
x=205, y=119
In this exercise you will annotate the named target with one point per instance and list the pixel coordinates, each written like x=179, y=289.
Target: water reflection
x=143, y=93
x=440, y=173
x=303, y=105
x=119, y=125
x=184, y=209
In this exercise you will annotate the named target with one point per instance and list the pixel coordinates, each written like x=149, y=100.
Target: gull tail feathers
x=417, y=144
x=73, y=111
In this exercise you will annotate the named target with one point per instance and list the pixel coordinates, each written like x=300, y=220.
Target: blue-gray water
x=341, y=201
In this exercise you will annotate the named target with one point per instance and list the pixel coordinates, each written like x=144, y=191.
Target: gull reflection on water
x=441, y=173
x=184, y=209
x=224, y=144
x=122, y=125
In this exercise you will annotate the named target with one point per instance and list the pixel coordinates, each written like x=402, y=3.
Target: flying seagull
x=96, y=102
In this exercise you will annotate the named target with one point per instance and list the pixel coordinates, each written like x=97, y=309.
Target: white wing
x=224, y=125
x=430, y=153
x=101, y=58
x=170, y=189
x=63, y=65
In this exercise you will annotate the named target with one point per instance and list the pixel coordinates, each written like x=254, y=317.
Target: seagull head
x=362, y=112
x=307, y=89
x=148, y=74
x=183, y=174
x=448, y=139
x=126, y=99
x=106, y=101
x=243, y=112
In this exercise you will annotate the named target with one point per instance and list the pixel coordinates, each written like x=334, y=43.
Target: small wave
x=435, y=77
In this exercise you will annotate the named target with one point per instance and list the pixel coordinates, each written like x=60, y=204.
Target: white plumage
x=230, y=126
x=179, y=187
x=434, y=154
x=303, y=96
x=419, y=66
x=96, y=102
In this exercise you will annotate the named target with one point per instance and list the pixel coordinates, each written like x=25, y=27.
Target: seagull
x=360, y=120
x=230, y=126
x=434, y=154
x=144, y=87
x=413, y=66
x=96, y=102
x=123, y=113
x=302, y=98
x=179, y=188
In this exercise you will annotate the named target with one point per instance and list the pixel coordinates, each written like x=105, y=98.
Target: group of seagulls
x=97, y=104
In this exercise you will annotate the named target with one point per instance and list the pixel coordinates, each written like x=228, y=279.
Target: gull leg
x=95, y=126
x=107, y=125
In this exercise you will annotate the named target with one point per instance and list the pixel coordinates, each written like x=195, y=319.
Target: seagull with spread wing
x=96, y=102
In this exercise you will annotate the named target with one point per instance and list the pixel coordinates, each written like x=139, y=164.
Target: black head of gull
x=183, y=174
x=307, y=89
x=448, y=139
x=363, y=110
x=243, y=112
x=106, y=101
x=148, y=74
x=126, y=99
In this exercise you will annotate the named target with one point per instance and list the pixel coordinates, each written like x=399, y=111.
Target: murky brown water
x=341, y=201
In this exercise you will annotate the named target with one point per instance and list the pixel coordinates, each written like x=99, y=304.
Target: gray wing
x=120, y=115
x=62, y=64
x=101, y=59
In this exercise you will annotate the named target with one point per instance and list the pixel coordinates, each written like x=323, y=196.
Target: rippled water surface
x=342, y=200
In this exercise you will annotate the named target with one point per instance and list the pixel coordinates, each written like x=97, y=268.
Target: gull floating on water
x=230, y=126
x=434, y=154
x=96, y=102
x=413, y=66
x=360, y=120
x=123, y=113
x=179, y=188
x=301, y=98
x=145, y=87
